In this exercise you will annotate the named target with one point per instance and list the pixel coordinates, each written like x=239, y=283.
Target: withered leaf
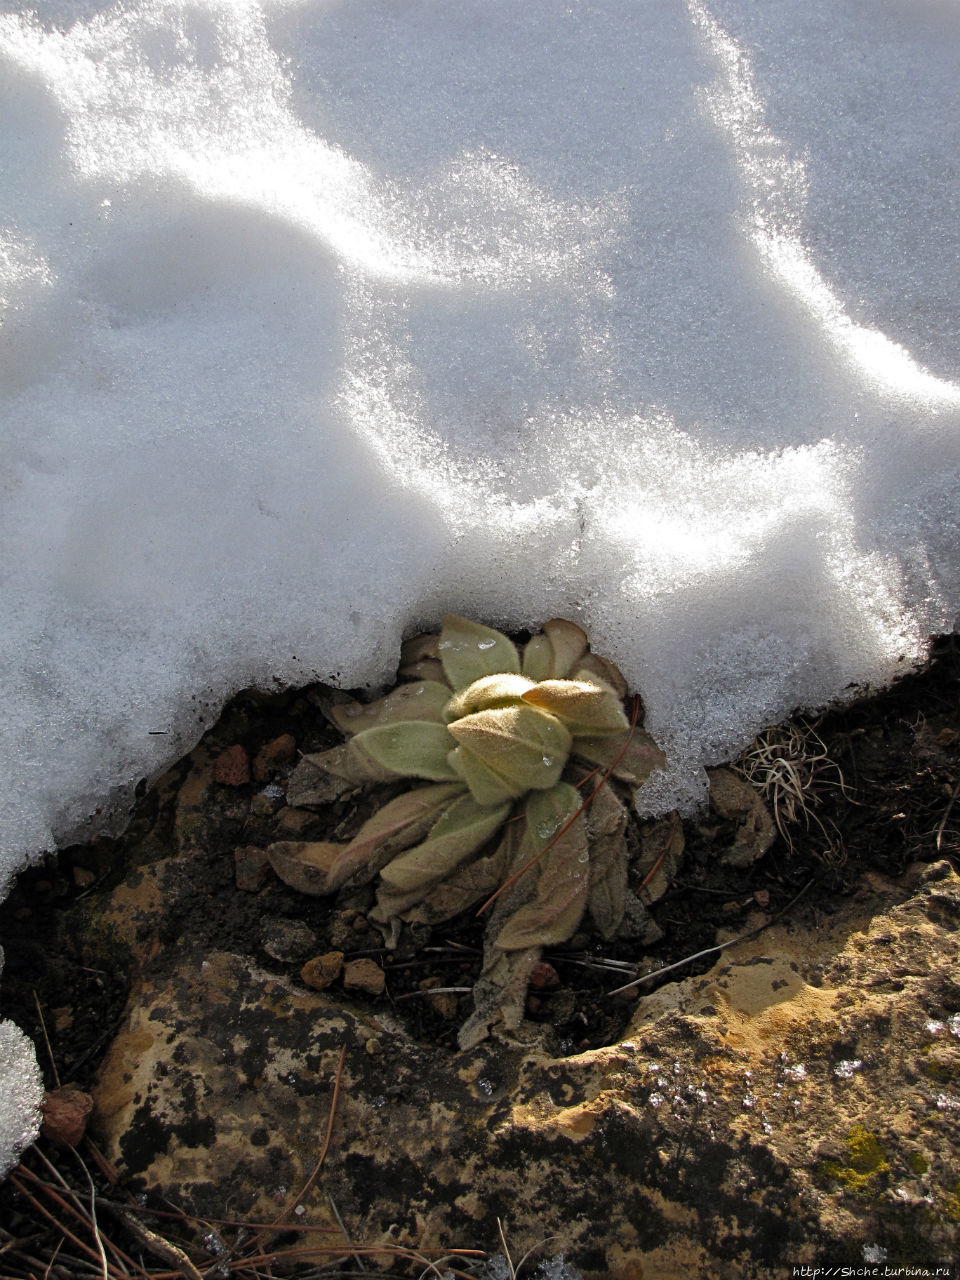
x=326, y=775
x=563, y=881
x=398, y=825
x=468, y=885
x=638, y=761
x=594, y=666
x=463, y=828
x=499, y=994
x=606, y=820
x=661, y=844
x=304, y=865
x=736, y=800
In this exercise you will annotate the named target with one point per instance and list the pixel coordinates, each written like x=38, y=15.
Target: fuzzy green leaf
x=463, y=828
x=538, y=658
x=413, y=749
x=595, y=667
x=522, y=747
x=553, y=654
x=471, y=882
x=584, y=707
x=470, y=651
x=420, y=700
x=501, y=690
x=569, y=644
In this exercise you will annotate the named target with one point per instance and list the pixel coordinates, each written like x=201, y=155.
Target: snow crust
x=320, y=320
x=21, y=1093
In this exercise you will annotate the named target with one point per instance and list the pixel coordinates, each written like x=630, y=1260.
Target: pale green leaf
x=413, y=749
x=469, y=651
x=486, y=787
x=420, y=700
x=469, y=884
x=568, y=643
x=462, y=829
x=584, y=707
x=523, y=747
x=538, y=658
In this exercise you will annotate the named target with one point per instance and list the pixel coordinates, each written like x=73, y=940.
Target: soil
x=881, y=776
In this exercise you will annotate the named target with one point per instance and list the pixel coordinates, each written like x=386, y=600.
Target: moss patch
x=865, y=1162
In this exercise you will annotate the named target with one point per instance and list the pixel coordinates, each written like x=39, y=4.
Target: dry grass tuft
x=791, y=769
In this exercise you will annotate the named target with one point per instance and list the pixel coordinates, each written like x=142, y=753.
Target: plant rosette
x=497, y=739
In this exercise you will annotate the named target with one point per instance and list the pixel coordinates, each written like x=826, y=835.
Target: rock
x=322, y=971
x=65, y=1112
x=232, y=767
x=735, y=800
x=286, y=940
x=364, y=975
x=762, y=1116
x=251, y=867
x=291, y=821
x=273, y=756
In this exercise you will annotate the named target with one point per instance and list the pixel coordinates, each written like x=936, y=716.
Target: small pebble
x=322, y=971
x=251, y=868
x=65, y=1113
x=364, y=975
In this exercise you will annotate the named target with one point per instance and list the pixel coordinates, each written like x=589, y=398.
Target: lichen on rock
x=506, y=746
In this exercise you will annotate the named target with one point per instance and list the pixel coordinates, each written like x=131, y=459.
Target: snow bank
x=321, y=319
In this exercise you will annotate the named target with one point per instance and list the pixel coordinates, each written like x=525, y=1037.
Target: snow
x=21, y=1092
x=320, y=320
